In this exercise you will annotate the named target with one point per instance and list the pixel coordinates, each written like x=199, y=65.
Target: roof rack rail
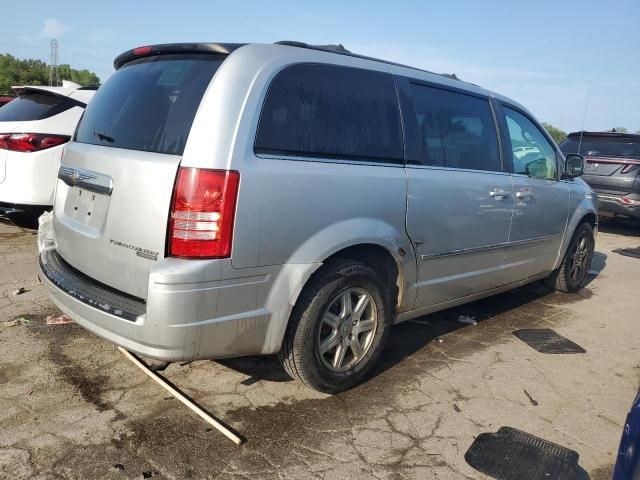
x=341, y=50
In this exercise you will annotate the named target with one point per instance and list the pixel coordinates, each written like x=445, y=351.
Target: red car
x=5, y=100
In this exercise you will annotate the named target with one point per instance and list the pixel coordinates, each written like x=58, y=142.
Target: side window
x=532, y=154
x=455, y=130
x=329, y=111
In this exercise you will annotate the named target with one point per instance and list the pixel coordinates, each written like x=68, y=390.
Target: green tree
x=557, y=134
x=14, y=71
x=620, y=130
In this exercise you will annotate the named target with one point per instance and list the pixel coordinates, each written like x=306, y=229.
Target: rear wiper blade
x=103, y=137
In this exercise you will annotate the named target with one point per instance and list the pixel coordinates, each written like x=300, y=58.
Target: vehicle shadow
x=409, y=337
x=627, y=228
x=26, y=221
x=257, y=368
x=598, y=264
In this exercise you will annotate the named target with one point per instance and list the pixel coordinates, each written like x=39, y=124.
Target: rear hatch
x=117, y=176
x=612, y=160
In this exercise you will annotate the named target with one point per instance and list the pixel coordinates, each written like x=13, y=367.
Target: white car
x=34, y=128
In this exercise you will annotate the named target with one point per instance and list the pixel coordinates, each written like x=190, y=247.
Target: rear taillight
x=30, y=142
x=204, y=205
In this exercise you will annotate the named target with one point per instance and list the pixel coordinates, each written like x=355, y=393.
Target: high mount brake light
x=141, y=50
x=202, y=213
x=30, y=142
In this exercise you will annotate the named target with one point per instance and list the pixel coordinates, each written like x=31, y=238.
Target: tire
x=320, y=325
x=566, y=278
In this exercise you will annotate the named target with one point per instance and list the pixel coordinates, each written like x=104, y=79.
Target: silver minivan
x=220, y=200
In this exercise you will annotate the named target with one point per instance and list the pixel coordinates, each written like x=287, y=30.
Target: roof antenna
x=584, y=117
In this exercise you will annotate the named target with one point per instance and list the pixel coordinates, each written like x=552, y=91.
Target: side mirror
x=574, y=166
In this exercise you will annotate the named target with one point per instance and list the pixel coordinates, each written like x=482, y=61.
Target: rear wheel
x=574, y=270
x=338, y=327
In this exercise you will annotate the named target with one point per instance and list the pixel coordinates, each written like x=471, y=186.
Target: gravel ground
x=71, y=406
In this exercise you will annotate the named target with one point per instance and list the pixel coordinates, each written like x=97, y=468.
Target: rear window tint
x=149, y=104
x=35, y=106
x=627, y=147
x=328, y=111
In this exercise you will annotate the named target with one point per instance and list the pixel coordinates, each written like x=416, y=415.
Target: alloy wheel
x=347, y=329
x=579, y=260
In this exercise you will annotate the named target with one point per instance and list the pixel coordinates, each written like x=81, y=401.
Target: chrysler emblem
x=92, y=181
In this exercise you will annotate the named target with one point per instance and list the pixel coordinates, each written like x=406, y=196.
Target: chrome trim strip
x=338, y=161
x=414, y=166
x=533, y=240
x=92, y=181
x=465, y=251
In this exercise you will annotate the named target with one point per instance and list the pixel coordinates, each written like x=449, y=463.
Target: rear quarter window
x=330, y=111
x=149, y=104
x=35, y=106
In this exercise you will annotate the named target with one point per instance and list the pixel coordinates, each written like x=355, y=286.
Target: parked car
x=628, y=461
x=612, y=169
x=222, y=200
x=5, y=100
x=34, y=128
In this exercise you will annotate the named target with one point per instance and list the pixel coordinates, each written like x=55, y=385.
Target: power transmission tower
x=54, y=75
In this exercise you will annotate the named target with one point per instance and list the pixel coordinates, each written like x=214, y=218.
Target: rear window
x=35, y=106
x=627, y=147
x=149, y=104
x=329, y=111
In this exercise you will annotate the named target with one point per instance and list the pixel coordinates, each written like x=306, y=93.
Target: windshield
x=34, y=106
x=149, y=104
x=627, y=147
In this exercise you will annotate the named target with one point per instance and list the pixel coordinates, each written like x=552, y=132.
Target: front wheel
x=574, y=270
x=338, y=327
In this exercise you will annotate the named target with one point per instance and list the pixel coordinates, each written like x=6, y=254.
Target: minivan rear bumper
x=181, y=319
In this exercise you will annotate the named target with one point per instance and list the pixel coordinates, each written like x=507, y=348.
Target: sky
x=573, y=63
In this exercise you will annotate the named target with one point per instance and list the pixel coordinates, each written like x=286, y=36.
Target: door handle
x=524, y=194
x=499, y=194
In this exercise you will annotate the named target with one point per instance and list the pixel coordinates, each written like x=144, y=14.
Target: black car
x=612, y=169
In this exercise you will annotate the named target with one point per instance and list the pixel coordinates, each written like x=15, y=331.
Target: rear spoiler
x=175, y=48
x=81, y=96
x=632, y=136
